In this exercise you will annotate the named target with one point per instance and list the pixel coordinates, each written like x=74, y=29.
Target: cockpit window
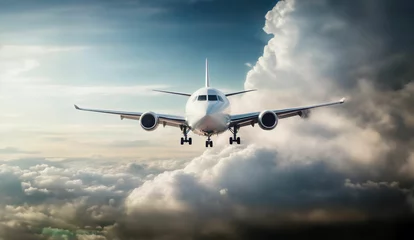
x=220, y=99
x=202, y=98
x=212, y=97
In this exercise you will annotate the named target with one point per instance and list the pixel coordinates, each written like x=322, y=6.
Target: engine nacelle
x=304, y=113
x=267, y=120
x=149, y=121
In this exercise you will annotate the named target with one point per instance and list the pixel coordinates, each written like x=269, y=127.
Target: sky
x=347, y=171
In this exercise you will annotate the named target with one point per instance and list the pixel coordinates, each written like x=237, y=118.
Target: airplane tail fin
x=207, y=78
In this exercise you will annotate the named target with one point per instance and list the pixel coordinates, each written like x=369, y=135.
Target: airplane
x=207, y=112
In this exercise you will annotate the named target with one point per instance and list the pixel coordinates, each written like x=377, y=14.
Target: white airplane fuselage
x=207, y=112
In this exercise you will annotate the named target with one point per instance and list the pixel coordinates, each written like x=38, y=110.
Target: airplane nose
x=205, y=110
x=209, y=109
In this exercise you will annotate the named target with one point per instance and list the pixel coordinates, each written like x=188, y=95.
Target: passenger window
x=220, y=99
x=212, y=97
x=202, y=98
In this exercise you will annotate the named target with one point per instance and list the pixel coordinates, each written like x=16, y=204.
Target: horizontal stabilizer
x=176, y=93
x=235, y=93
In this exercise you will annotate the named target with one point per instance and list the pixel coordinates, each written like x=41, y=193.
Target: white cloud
x=12, y=150
x=18, y=59
x=370, y=185
x=222, y=185
x=248, y=65
x=12, y=52
x=293, y=72
x=47, y=90
x=18, y=67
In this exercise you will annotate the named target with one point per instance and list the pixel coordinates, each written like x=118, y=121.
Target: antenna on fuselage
x=207, y=78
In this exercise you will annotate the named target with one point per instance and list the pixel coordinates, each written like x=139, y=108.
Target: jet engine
x=149, y=121
x=304, y=113
x=267, y=120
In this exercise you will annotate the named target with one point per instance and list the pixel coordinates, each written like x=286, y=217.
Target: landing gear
x=185, y=139
x=234, y=138
x=237, y=140
x=209, y=142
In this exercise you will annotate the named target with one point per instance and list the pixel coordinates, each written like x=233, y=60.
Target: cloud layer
x=224, y=193
x=347, y=170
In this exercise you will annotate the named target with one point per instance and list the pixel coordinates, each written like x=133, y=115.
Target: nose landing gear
x=209, y=142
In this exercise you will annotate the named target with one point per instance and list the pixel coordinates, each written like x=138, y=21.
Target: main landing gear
x=185, y=139
x=234, y=138
x=209, y=142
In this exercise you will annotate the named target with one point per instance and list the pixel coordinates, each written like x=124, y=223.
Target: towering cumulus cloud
x=327, y=49
x=347, y=170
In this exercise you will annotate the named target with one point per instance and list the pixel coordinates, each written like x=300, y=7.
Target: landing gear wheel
x=182, y=141
x=190, y=141
x=209, y=142
x=238, y=140
x=231, y=140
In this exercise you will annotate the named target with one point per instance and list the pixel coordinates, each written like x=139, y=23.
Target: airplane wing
x=164, y=119
x=236, y=93
x=246, y=119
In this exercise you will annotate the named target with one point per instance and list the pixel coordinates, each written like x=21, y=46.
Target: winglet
x=342, y=100
x=76, y=106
